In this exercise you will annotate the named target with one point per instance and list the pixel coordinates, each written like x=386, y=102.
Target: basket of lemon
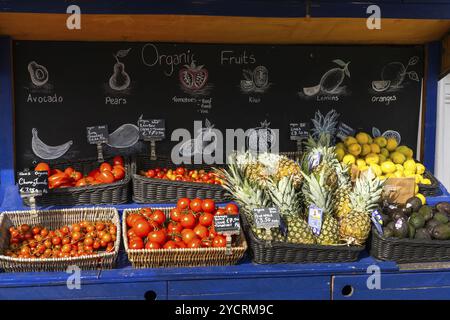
x=387, y=159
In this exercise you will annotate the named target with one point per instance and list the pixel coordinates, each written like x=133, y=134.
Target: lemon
x=362, y=137
x=406, y=151
x=340, y=145
x=397, y=157
x=375, y=148
x=426, y=181
x=410, y=165
x=388, y=167
x=363, y=168
x=340, y=153
x=418, y=178
x=360, y=162
x=420, y=168
x=409, y=174
x=354, y=149
x=382, y=177
x=398, y=174
x=384, y=152
x=391, y=144
x=388, y=175
x=416, y=189
x=422, y=198
x=381, y=141
x=382, y=158
x=350, y=140
x=349, y=159
x=372, y=158
x=370, y=139
x=376, y=169
x=365, y=149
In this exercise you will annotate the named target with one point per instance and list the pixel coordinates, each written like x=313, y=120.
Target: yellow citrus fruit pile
x=384, y=156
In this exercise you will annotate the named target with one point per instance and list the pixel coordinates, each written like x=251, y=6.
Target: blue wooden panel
x=408, y=285
x=312, y=287
x=116, y=291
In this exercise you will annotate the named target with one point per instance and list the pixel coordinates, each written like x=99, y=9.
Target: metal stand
x=100, y=153
x=152, y=150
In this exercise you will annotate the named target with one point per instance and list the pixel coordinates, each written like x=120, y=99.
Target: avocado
x=426, y=212
x=388, y=233
x=386, y=219
x=406, y=211
x=398, y=215
x=441, y=217
x=422, y=233
x=431, y=224
x=414, y=203
x=411, y=231
x=417, y=221
x=441, y=232
x=401, y=228
x=443, y=207
x=390, y=209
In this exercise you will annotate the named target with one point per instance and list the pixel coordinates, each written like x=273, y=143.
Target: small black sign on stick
x=152, y=130
x=299, y=132
x=98, y=135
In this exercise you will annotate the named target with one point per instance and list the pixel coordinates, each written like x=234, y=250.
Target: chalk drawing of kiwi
x=256, y=80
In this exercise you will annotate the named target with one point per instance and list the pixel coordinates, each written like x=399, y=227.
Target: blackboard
x=151, y=129
x=63, y=87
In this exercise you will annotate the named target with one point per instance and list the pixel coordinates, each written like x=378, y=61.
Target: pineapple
x=355, y=226
x=316, y=193
x=286, y=168
x=342, y=193
x=285, y=197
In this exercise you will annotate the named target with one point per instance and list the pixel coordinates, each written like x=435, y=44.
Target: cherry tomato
x=158, y=216
x=150, y=173
x=180, y=171
x=93, y=173
x=175, y=214
x=152, y=245
x=118, y=160
x=181, y=244
x=206, y=243
x=196, y=205
x=194, y=243
x=174, y=227
x=106, y=177
x=208, y=205
x=81, y=183
x=158, y=236
x=201, y=231
x=188, y=220
x=183, y=203
x=170, y=245
x=105, y=166
x=42, y=166
x=136, y=243
x=219, y=241
x=212, y=232
x=231, y=208
x=206, y=219
x=118, y=173
x=187, y=235
x=142, y=228
x=56, y=240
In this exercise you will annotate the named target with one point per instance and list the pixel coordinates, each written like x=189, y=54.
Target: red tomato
x=170, y=245
x=187, y=235
x=69, y=171
x=174, y=227
x=76, y=175
x=93, y=173
x=180, y=171
x=118, y=173
x=158, y=216
x=152, y=245
x=196, y=205
x=181, y=244
x=188, y=220
x=183, y=203
x=201, y=231
x=150, y=173
x=208, y=205
x=219, y=241
x=194, y=243
x=105, y=166
x=206, y=219
x=81, y=183
x=175, y=214
x=132, y=218
x=212, y=232
x=206, y=243
x=220, y=212
x=231, y=208
x=106, y=177
x=158, y=236
x=42, y=166
x=142, y=228
x=118, y=160
x=136, y=243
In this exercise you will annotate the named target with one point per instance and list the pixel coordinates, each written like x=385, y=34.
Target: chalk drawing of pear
x=331, y=81
x=46, y=152
x=38, y=73
x=120, y=80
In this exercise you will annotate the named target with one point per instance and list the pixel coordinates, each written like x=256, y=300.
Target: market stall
x=103, y=113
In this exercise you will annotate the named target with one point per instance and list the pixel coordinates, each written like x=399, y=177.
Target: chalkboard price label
x=227, y=223
x=266, y=218
x=152, y=129
x=97, y=134
x=344, y=131
x=299, y=131
x=32, y=182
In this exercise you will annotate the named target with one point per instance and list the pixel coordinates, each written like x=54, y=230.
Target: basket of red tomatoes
x=86, y=182
x=181, y=236
x=157, y=181
x=53, y=240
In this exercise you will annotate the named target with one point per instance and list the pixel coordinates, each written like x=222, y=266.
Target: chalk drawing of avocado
x=38, y=73
x=331, y=81
x=120, y=80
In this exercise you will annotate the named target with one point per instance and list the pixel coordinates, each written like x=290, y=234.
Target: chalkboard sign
x=344, y=131
x=266, y=217
x=299, y=131
x=32, y=182
x=97, y=134
x=227, y=223
x=202, y=88
x=154, y=129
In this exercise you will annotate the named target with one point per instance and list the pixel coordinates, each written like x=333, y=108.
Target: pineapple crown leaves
x=315, y=192
x=325, y=124
x=284, y=196
x=367, y=193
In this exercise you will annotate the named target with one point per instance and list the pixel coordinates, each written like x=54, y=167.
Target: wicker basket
x=146, y=258
x=281, y=252
x=55, y=219
x=409, y=250
x=430, y=190
x=114, y=193
x=150, y=190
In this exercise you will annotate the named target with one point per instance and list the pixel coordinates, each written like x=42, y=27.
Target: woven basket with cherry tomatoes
x=180, y=236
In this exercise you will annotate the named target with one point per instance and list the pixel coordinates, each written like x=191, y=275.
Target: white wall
x=442, y=166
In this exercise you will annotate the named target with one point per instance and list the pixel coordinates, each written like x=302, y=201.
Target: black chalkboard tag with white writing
x=152, y=129
x=299, y=131
x=266, y=218
x=32, y=183
x=344, y=130
x=98, y=135
x=227, y=223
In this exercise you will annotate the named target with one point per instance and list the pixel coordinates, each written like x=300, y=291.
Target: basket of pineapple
x=264, y=181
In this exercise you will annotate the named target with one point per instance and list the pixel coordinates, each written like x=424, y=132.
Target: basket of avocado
x=413, y=233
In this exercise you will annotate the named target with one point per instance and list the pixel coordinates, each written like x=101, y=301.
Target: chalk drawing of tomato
x=193, y=77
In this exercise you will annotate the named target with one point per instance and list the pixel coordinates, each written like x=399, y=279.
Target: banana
x=45, y=151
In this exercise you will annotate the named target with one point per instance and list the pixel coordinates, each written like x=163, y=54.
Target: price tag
x=32, y=183
x=377, y=221
x=299, y=131
x=153, y=129
x=266, y=218
x=227, y=224
x=315, y=219
x=97, y=134
x=344, y=131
